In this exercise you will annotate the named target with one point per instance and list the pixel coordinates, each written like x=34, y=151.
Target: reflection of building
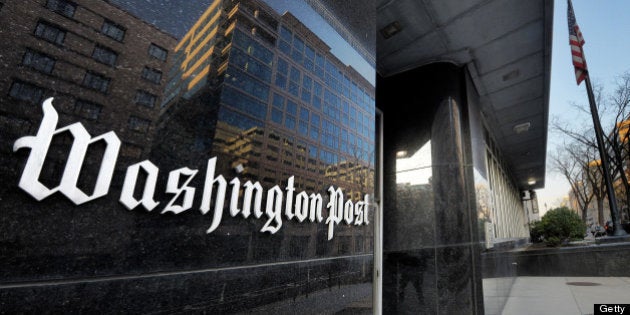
x=530, y=203
x=102, y=65
x=272, y=94
x=262, y=93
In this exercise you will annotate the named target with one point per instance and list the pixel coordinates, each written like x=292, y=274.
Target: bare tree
x=572, y=161
x=615, y=114
x=618, y=139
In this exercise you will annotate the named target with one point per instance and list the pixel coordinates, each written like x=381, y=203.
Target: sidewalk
x=563, y=295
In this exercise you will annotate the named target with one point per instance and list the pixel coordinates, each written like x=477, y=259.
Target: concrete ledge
x=605, y=260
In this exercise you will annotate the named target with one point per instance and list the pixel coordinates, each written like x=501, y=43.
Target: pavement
x=554, y=295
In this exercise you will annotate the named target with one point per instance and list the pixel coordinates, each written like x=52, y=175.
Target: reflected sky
x=177, y=16
x=416, y=169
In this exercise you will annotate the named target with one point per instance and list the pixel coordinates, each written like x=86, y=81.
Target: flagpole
x=581, y=73
x=612, y=200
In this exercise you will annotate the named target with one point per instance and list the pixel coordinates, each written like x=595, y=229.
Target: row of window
x=333, y=107
x=252, y=47
x=303, y=54
x=310, y=91
x=68, y=8
x=102, y=54
x=31, y=93
x=91, y=80
x=308, y=125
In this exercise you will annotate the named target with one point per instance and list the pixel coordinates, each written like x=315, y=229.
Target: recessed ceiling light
x=401, y=154
x=520, y=128
x=391, y=29
x=511, y=75
x=531, y=181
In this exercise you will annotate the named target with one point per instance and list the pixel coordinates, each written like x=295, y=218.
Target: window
x=104, y=55
x=281, y=81
x=138, y=124
x=113, y=30
x=307, y=82
x=295, y=74
x=152, y=75
x=294, y=89
x=145, y=98
x=298, y=43
x=309, y=52
x=283, y=66
x=87, y=109
x=96, y=82
x=278, y=101
x=306, y=96
x=284, y=47
x=38, y=61
x=286, y=34
x=304, y=113
x=158, y=52
x=289, y=122
x=276, y=116
x=26, y=92
x=50, y=33
x=63, y=7
x=291, y=107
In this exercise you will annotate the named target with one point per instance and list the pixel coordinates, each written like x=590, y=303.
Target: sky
x=605, y=26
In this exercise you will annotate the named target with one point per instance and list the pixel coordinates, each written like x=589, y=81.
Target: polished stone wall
x=201, y=152
x=431, y=242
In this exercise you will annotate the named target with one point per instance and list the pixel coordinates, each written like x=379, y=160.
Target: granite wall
x=431, y=243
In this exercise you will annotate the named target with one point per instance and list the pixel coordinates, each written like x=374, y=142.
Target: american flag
x=576, y=41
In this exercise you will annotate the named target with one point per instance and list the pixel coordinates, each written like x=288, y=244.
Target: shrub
x=557, y=226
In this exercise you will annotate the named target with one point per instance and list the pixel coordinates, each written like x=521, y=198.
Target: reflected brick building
x=103, y=66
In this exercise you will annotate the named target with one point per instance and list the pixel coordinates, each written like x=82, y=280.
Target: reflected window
x=281, y=81
x=113, y=30
x=158, y=52
x=291, y=107
x=38, y=61
x=104, y=55
x=96, y=81
x=63, y=7
x=283, y=66
x=276, y=116
x=244, y=103
x=309, y=52
x=289, y=122
x=87, y=109
x=152, y=75
x=138, y=124
x=145, y=98
x=286, y=34
x=415, y=168
x=295, y=74
x=278, y=101
x=50, y=33
x=284, y=47
x=294, y=89
x=26, y=92
x=306, y=96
